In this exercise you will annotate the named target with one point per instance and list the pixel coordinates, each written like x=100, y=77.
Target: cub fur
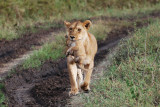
x=77, y=49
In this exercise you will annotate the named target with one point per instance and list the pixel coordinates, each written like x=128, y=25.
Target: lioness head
x=77, y=30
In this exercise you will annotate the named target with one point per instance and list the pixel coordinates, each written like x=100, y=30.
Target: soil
x=48, y=85
x=12, y=49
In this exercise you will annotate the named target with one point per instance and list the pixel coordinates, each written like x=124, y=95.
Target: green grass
x=133, y=79
x=52, y=51
x=100, y=30
x=17, y=16
x=111, y=12
x=2, y=96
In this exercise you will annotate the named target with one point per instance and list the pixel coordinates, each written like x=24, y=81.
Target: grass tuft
x=100, y=30
x=52, y=51
x=2, y=96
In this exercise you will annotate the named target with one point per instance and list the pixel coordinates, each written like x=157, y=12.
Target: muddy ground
x=11, y=49
x=49, y=84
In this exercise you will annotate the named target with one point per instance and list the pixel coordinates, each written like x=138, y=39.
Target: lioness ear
x=67, y=23
x=87, y=24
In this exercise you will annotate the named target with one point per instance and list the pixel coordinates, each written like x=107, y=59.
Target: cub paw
x=86, y=61
x=76, y=60
x=69, y=52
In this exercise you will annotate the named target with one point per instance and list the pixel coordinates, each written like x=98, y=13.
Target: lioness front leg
x=72, y=69
x=88, y=73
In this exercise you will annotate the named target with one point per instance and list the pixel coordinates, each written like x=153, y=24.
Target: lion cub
x=76, y=48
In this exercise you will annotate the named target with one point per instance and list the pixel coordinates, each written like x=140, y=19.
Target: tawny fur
x=87, y=48
x=77, y=49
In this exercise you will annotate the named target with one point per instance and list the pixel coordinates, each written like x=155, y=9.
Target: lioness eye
x=70, y=28
x=79, y=30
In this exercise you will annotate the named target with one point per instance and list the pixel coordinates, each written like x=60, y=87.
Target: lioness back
x=91, y=46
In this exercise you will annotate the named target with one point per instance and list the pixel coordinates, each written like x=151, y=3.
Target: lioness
x=79, y=30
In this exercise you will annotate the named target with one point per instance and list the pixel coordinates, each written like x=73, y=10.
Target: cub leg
x=69, y=51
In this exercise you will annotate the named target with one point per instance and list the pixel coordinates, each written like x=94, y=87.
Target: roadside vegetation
x=52, y=51
x=17, y=16
x=2, y=96
x=133, y=78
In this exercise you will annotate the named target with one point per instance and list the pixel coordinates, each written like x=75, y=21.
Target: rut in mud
x=11, y=49
x=49, y=84
x=15, y=51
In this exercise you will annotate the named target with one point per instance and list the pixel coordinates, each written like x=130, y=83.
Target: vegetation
x=18, y=10
x=2, y=96
x=133, y=78
x=52, y=51
x=17, y=15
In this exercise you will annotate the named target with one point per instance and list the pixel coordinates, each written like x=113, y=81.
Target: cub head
x=77, y=30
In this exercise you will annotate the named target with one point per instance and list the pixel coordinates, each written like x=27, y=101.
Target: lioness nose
x=72, y=37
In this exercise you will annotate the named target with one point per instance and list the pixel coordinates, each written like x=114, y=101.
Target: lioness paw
x=75, y=92
x=85, y=87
